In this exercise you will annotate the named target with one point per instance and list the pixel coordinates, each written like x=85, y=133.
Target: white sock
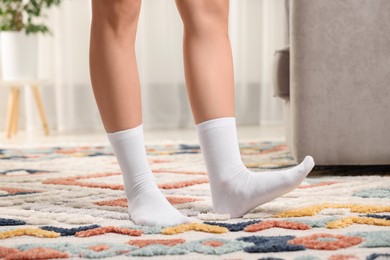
x=146, y=204
x=234, y=189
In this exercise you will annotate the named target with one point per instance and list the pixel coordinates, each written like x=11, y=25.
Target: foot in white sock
x=234, y=189
x=146, y=204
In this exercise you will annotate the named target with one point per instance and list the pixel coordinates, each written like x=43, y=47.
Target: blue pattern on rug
x=28, y=171
x=387, y=217
x=268, y=244
x=374, y=193
x=68, y=231
x=11, y=222
x=234, y=227
x=378, y=256
x=156, y=250
x=373, y=239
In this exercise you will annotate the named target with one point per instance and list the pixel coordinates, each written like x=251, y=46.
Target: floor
x=23, y=139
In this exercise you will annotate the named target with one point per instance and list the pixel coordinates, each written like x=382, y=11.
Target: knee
x=118, y=15
x=203, y=16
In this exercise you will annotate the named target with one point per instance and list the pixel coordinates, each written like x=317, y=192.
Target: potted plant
x=20, y=23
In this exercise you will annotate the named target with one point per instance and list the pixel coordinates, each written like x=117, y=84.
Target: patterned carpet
x=68, y=202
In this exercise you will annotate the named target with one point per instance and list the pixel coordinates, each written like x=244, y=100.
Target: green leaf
x=19, y=15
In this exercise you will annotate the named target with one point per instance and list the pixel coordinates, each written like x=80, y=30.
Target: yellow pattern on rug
x=345, y=222
x=37, y=232
x=313, y=210
x=195, y=227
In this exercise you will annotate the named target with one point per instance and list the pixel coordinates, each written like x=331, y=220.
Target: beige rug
x=68, y=202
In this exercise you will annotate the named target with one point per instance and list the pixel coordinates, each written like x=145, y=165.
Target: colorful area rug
x=68, y=202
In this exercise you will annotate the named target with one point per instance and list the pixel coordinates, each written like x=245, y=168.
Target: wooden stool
x=13, y=104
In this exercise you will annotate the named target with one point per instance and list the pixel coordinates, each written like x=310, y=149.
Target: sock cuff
x=124, y=134
x=218, y=122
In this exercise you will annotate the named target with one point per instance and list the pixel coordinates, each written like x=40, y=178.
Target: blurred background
x=257, y=28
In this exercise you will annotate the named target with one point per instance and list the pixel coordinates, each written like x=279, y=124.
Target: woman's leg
x=207, y=58
x=113, y=67
x=209, y=78
x=115, y=82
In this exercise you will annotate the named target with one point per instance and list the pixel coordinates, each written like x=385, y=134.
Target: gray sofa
x=335, y=80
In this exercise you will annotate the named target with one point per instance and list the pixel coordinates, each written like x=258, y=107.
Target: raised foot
x=247, y=190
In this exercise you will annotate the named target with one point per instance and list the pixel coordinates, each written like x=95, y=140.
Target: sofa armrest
x=340, y=81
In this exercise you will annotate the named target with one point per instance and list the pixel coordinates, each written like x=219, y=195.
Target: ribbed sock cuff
x=214, y=123
x=124, y=134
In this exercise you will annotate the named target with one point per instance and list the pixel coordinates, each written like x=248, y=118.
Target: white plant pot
x=18, y=55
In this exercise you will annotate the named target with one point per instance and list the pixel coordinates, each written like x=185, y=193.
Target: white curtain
x=256, y=29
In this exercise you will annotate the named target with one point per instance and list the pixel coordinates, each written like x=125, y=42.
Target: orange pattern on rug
x=182, y=184
x=108, y=229
x=174, y=200
x=335, y=241
x=73, y=181
x=276, y=223
x=36, y=253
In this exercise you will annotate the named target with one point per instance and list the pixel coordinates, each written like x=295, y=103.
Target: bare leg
x=207, y=58
x=113, y=67
x=209, y=76
x=115, y=82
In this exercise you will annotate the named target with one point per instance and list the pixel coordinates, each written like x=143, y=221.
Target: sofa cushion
x=281, y=73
